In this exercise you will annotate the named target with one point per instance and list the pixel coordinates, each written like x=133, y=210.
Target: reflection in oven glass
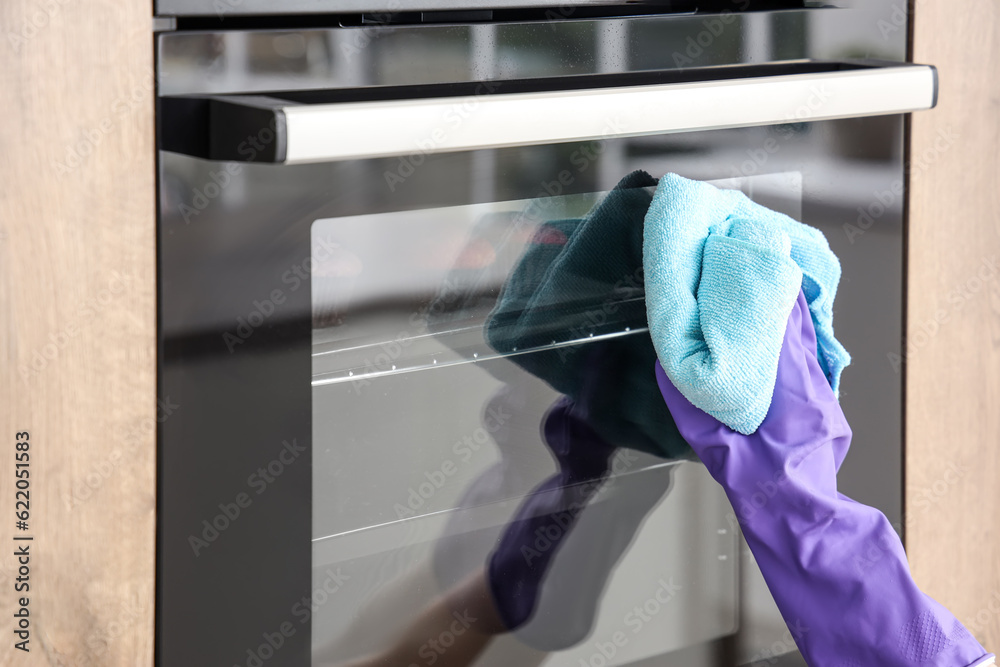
x=490, y=442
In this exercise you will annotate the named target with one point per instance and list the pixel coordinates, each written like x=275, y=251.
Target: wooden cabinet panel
x=77, y=326
x=953, y=318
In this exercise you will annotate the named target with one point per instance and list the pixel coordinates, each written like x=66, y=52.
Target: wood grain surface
x=77, y=326
x=953, y=318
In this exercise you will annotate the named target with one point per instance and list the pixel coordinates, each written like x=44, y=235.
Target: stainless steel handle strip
x=355, y=130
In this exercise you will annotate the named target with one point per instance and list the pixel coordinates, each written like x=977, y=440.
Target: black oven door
x=373, y=367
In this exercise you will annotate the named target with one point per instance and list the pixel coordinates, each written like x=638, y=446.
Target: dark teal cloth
x=583, y=277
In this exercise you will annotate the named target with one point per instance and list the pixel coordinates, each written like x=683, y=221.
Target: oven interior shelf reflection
x=426, y=352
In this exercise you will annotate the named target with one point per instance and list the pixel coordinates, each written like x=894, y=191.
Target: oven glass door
x=443, y=341
x=418, y=422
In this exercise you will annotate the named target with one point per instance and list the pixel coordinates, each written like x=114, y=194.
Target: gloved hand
x=835, y=568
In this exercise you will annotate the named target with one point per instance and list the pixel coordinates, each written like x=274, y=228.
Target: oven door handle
x=321, y=126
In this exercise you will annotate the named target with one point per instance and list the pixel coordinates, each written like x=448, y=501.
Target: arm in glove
x=835, y=568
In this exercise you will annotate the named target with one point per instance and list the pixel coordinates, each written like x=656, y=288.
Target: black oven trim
x=305, y=14
x=249, y=581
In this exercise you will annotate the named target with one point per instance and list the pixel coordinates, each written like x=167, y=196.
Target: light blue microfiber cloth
x=722, y=274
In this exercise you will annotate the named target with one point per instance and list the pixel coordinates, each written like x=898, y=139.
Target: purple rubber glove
x=835, y=568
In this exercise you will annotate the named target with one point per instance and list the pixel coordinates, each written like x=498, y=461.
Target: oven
x=359, y=206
